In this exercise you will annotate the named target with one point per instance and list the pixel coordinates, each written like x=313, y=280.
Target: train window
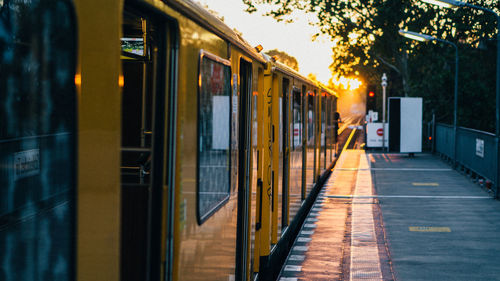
x=297, y=122
x=310, y=119
x=37, y=140
x=214, y=127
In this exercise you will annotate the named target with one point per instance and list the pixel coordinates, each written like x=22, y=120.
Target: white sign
x=220, y=112
x=375, y=134
x=26, y=163
x=480, y=148
x=372, y=116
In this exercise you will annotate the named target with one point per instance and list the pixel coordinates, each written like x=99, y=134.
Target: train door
x=244, y=192
x=328, y=129
x=144, y=148
x=304, y=138
x=284, y=113
x=310, y=142
x=295, y=186
x=256, y=166
x=316, y=136
x=276, y=161
x=324, y=143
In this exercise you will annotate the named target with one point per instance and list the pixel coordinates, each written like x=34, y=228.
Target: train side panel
x=99, y=126
x=207, y=215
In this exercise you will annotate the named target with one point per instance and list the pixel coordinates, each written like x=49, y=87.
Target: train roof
x=292, y=72
x=203, y=17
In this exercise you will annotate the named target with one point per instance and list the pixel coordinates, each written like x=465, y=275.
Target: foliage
x=284, y=58
x=366, y=41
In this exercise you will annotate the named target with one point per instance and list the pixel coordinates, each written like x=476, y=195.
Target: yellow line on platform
x=425, y=184
x=348, y=140
x=429, y=229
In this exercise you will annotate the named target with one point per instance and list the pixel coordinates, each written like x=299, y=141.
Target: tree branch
x=388, y=64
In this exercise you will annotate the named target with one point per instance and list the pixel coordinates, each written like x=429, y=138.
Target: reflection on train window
x=213, y=135
x=310, y=119
x=37, y=140
x=297, y=122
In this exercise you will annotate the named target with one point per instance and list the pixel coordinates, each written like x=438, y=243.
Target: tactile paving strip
x=318, y=250
x=365, y=261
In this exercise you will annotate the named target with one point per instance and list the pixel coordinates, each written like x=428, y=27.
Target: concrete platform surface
x=387, y=216
x=439, y=225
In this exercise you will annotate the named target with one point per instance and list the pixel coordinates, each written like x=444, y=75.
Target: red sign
x=380, y=131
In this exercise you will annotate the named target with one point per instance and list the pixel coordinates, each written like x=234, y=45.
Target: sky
x=294, y=38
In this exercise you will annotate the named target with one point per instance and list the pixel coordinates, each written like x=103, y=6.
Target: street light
x=425, y=38
x=416, y=36
x=445, y=3
x=384, y=86
x=456, y=4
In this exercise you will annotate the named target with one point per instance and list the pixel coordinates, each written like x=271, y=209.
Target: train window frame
x=204, y=55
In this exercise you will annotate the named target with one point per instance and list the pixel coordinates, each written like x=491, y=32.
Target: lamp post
x=425, y=38
x=457, y=4
x=384, y=86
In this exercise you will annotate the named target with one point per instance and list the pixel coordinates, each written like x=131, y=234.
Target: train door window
x=296, y=154
x=310, y=118
x=37, y=140
x=297, y=120
x=214, y=127
x=143, y=144
x=310, y=140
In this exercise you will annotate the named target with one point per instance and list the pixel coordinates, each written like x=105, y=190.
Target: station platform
x=386, y=216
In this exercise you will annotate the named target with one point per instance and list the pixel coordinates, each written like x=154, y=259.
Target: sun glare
x=347, y=83
x=280, y=35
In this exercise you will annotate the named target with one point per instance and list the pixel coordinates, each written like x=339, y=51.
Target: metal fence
x=444, y=139
x=475, y=151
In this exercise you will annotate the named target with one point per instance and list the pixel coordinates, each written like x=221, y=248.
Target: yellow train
x=145, y=140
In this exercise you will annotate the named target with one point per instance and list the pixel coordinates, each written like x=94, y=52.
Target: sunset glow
x=346, y=83
x=294, y=38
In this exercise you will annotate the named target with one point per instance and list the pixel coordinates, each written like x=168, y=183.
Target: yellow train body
x=194, y=153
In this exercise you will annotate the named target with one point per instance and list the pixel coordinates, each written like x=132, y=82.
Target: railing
x=444, y=140
x=475, y=151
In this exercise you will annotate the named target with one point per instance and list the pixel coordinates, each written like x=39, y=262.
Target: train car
x=300, y=149
x=145, y=140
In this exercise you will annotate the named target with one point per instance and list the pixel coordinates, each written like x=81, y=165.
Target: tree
x=284, y=58
x=366, y=41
